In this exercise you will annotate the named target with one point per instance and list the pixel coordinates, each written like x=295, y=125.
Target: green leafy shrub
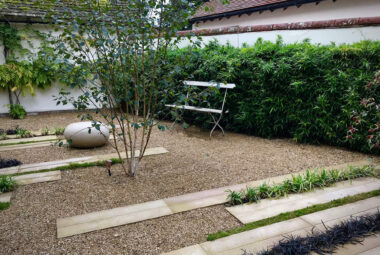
x=7, y=184
x=16, y=111
x=369, y=117
x=303, y=91
x=23, y=133
x=297, y=184
x=235, y=198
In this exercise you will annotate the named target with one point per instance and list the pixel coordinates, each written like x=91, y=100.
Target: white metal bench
x=210, y=111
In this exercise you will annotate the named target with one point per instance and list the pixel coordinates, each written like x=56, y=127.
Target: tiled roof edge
x=320, y=24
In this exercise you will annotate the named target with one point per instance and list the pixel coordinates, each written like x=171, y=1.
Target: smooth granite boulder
x=81, y=138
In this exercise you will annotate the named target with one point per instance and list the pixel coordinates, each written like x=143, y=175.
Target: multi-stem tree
x=122, y=46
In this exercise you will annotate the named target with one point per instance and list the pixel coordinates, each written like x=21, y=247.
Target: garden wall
x=43, y=100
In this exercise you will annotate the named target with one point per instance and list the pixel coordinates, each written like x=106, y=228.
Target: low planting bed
x=25, y=133
x=297, y=184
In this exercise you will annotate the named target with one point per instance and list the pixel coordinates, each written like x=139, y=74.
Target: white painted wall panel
x=325, y=10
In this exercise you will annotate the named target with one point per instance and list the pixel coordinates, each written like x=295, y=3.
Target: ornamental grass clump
x=297, y=184
x=7, y=184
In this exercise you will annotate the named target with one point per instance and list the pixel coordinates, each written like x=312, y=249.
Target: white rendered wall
x=43, y=100
x=325, y=10
x=321, y=36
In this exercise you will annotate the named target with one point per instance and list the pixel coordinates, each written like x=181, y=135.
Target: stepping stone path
x=135, y=213
x=266, y=208
x=258, y=239
x=53, y=164
x=38, y=177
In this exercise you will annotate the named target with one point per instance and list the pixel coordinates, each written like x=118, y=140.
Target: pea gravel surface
x=194, y=163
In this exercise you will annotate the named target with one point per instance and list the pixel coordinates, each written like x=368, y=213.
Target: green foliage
x=59, y=130
x=298, y=184
x=234, y=197
x=369, y=115
x=23, y=133
x=118, y=54
x=303, y=91
x=293, y=214
x=7, y=184
x=23, y=70
x=5, y=205
x=16, y=111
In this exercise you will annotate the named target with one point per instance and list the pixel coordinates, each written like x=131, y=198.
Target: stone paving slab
x=111, y=218
x=37, y=178
x=253, y=236
x=261, y=238
x=266, y=208
x=368, y=244
x=53, y=164
x=31, y=139
x=374, y=251
x=5, y=197
x=337, y=212
x=26, y=146
x=33, y=145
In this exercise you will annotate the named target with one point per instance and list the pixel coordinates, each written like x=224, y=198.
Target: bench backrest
x=210, y=84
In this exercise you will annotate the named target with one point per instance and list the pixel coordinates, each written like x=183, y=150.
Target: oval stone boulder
x=78, y=133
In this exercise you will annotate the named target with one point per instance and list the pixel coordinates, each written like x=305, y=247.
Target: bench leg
x=216, y=124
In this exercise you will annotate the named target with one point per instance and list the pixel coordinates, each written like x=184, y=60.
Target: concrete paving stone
x=111, y=218
x=26, y=146
x=5, y=197
x=322, y=226
x=368, y=243
x=264, y=244
x=253, y=236
x=31, y=139
x=342, y=211
x=271, y=207
x=37, y=177
x=190, y=250
x=53, y=164
x=374, y=251
x=359, y=163
x=9, y=170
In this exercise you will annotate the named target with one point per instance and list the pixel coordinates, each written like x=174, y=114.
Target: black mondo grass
x=9, y=163
x=353, y=231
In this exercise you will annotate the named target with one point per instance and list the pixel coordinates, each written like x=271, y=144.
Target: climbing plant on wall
x=23, y=70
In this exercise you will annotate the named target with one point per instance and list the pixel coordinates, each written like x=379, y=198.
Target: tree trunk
x=10, y=96
x=6, y=52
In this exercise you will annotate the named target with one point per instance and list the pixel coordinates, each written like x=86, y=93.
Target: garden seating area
x=74, y=203
x=190, y=127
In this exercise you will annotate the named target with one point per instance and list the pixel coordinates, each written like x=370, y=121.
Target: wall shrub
x=303, y=91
